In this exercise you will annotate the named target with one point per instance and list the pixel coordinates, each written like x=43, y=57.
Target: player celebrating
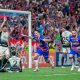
x=79, y=52
x=75, y=47
x=4, y=50
x=42, y=49
x=66, y=46
x=79, y=61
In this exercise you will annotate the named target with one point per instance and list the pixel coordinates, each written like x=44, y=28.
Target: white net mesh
x=18, y=27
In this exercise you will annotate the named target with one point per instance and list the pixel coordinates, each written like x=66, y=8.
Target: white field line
x=46, y=75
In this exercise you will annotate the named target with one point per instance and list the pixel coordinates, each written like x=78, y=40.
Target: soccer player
x=75, y=47
x=79, y=52
x=65, y=44
x=15, y=63
x=78, y=58
x=79, y=61
x=42, y=49
x=4, y=50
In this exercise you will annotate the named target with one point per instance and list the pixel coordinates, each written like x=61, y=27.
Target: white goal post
x=29, y=29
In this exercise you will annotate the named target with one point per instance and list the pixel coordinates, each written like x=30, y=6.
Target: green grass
x=43, y=74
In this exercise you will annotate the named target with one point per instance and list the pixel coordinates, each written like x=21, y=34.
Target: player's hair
x=4, y=26
x=73, y=31
x=13, y=53
x=36, y=30
x=67, y=27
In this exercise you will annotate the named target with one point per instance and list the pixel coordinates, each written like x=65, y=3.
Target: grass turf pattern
x=43, y=74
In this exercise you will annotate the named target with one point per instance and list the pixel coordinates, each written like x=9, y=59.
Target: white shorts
x=66, y=50
x=4, y=50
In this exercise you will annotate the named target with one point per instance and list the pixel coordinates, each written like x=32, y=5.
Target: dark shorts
x=75, y=52
x=44, y=53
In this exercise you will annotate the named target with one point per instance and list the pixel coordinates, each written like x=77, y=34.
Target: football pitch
x=43, y=74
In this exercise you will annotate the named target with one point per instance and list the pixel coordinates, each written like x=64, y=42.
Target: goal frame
x=29, y=29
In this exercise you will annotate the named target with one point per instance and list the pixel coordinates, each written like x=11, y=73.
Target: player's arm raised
x=5, y=19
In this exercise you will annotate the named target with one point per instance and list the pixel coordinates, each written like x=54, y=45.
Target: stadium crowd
x=49, y=17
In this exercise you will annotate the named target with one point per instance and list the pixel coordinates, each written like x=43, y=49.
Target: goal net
x=19, y=27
